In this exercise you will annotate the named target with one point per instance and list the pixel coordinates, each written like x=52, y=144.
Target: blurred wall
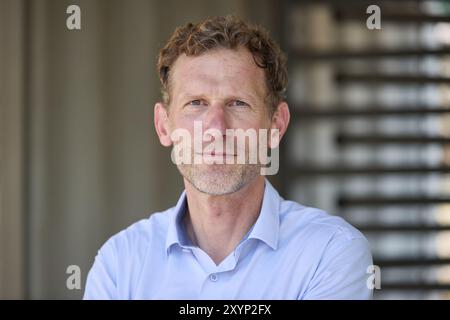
x=12, y=259
x=78, y=144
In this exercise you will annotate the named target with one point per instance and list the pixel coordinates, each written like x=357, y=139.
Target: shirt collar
x=266, y=227
x=174, y=231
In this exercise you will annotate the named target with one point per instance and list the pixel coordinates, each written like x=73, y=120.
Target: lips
x=218, y=154
x=221, y=154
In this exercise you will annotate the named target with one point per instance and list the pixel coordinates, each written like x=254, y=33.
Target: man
x=230, y=236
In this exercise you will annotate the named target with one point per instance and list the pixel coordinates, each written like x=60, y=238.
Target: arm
x=101, y=283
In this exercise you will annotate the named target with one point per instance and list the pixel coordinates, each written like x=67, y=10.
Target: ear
x=280, y=121
x=161, y=119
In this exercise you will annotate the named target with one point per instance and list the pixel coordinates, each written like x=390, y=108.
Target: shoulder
x=334, y=254
x=316, y=220
x=120, y=261
x=139, y=236
x=318, y=229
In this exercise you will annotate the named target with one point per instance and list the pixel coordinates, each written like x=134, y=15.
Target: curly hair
x=227, y=32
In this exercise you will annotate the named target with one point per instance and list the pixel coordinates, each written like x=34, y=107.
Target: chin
x=219, y=179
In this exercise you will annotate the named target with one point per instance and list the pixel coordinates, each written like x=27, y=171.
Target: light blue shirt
x=291, y=252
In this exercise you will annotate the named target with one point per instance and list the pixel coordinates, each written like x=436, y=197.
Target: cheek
x=252, y=122
x=182, y=122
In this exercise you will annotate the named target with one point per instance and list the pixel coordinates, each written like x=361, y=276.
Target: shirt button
x=213, y=277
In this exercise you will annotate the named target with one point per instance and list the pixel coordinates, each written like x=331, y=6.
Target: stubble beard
x=219, y=179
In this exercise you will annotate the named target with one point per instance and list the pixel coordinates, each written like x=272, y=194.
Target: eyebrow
x=191, y=96
x=249, y=97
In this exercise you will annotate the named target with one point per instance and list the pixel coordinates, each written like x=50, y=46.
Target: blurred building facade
x=370, y=137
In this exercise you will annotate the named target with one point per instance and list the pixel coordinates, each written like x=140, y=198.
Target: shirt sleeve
x=342, y=271
x=101, y=283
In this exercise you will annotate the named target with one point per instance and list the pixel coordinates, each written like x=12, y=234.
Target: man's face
x=222, y=89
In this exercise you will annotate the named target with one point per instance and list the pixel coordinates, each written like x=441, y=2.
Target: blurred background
x=79, y=159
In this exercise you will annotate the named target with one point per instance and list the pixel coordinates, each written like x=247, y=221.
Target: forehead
x=218, y=71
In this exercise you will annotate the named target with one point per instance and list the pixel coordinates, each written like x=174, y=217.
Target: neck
x=217, y=224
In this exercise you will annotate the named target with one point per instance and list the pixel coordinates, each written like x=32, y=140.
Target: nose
x=215, y=118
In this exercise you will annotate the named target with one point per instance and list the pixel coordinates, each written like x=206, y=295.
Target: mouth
x=217, y=154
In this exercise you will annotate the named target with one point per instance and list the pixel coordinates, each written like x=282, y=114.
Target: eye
x=238, y=103
x=196, y=102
